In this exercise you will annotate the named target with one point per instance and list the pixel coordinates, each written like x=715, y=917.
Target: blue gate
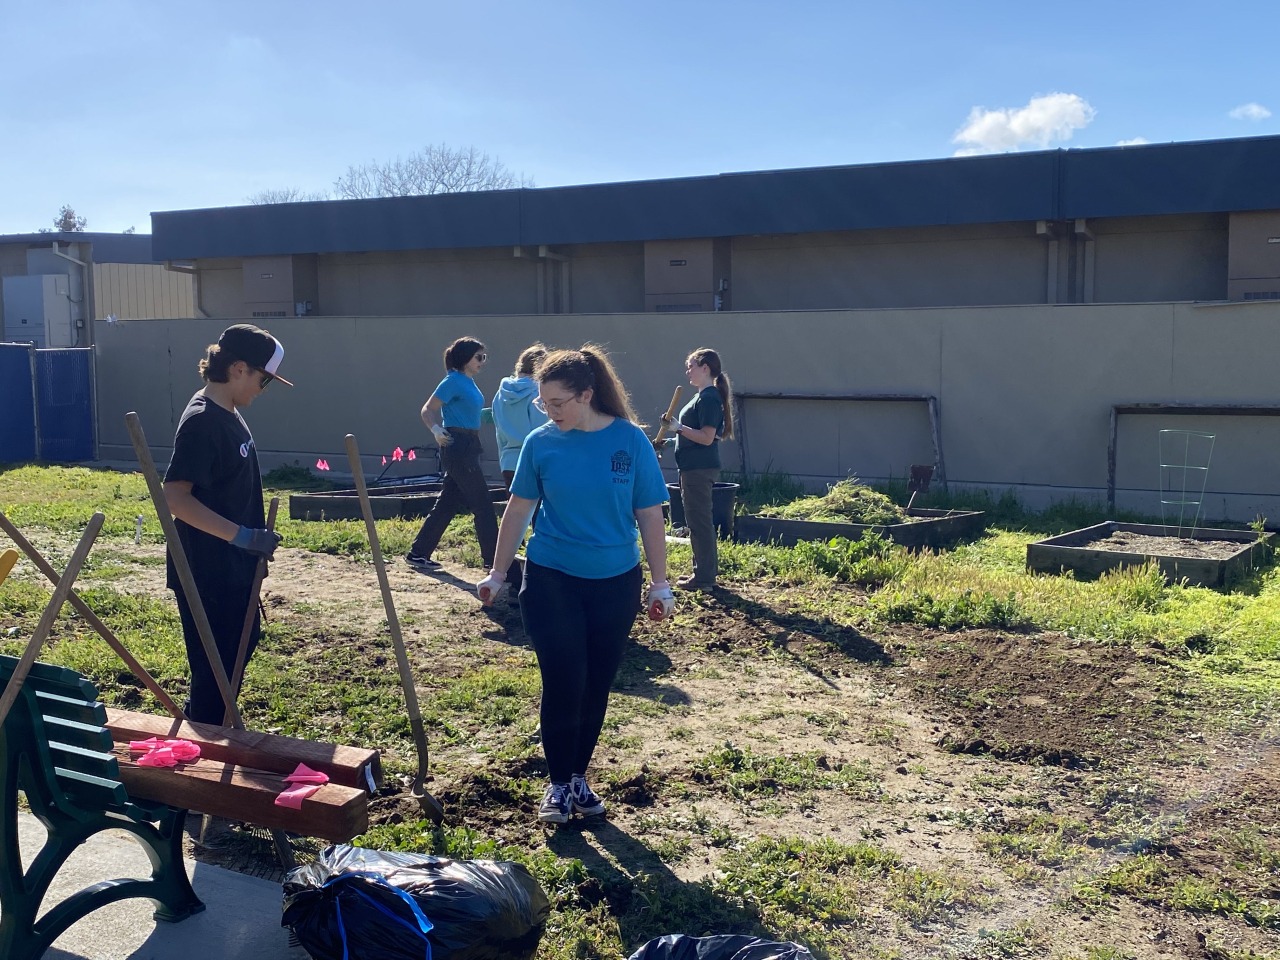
x=17, y=403
x=46, y=404
x=64, y=397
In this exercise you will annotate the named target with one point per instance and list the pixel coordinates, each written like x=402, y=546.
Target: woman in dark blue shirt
x=704, y=421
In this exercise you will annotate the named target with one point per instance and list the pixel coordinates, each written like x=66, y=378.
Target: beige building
x=1025, y=322
x=53, y=285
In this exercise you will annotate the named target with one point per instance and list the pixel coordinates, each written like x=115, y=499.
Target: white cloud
x=1134, y=142
x=1042, y=121
x=1249, y=111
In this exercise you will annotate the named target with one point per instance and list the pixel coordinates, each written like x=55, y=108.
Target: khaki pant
x=696, y=487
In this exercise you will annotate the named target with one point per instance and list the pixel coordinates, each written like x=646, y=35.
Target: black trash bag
x=676, y=946
x=356, y=904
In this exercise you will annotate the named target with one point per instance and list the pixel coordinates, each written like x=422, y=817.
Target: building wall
x=938, y=266
x=1129, y=260
x=141, y=291
x=1025, y=392
x=1160, y=258
x=427, y=282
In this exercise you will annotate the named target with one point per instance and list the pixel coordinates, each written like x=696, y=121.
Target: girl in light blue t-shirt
x=594, y=478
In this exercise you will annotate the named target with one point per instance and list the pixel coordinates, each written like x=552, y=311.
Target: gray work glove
x=260, y=542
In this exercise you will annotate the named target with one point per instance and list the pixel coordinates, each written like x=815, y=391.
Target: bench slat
x=87, y=735
x=73, y=757
x=349, y=766
x=90, y=791
x=69, y=708
x=335, y=812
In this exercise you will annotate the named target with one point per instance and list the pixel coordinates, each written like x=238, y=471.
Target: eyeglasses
x=265, y=379
x=554, y=406
x=482, y=357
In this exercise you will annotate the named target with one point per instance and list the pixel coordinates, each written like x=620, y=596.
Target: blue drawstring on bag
x=424, y=925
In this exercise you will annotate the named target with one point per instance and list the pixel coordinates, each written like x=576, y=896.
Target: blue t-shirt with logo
x=462, y=400
x=591, y=484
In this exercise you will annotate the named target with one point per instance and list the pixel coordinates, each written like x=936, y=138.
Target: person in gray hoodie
x=514, y=415
x=514, y=418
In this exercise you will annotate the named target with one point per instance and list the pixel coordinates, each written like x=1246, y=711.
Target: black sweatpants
x=226, y=616
x=465, y=488
x=579, y=629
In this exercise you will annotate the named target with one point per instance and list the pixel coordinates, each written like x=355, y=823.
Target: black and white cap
x=256, y=347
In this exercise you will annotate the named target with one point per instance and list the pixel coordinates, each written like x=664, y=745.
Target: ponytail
x=726, y=397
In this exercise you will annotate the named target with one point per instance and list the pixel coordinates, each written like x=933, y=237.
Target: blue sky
x=123, y=108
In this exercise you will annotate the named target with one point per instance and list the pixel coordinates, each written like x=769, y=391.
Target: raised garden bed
x=927, y=528
x=1211, y=558
x=406, y=501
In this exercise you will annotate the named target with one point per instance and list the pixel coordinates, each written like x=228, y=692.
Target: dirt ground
x=1126, y=541
x=965, y=736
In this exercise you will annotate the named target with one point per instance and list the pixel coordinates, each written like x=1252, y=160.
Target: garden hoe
x=430, y=805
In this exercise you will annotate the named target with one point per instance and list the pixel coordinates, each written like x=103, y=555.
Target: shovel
x=430, y=805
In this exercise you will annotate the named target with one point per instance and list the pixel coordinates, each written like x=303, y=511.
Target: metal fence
x=46, y=404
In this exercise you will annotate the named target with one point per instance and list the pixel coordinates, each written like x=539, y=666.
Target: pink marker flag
x=322, y=464
x=384, y=459
x=397, y=454
x=159, y=757
x=304, y=774
x=293, y=797
x=412, y=454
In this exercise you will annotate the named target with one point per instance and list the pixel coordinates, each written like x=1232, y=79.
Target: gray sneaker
x=585, y=800
x=421, y=563
x=556, y=803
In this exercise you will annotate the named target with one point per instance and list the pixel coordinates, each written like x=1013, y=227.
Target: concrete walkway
x=241, y=920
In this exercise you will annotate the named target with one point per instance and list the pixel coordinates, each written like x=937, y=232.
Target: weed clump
x=845, y=502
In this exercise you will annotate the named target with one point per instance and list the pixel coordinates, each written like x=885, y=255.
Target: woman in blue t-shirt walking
x=594, y=478
x=452, y=414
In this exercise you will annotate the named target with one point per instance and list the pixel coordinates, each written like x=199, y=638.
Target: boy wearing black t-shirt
x=214, y=491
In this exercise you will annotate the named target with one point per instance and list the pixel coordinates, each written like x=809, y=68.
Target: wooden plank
x=334, y=812
x=348, y=766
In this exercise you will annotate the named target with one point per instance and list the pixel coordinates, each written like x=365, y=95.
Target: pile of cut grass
x=845, y=502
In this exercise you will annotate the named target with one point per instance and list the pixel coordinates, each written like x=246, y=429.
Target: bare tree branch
x=286, y=195
x=434, y=169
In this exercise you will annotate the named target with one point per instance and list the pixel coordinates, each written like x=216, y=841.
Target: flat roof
x=106, y=247
x=1142, y=180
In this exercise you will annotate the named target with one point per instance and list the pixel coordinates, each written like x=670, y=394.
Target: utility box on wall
x=280, y=286
x=38, y=309
x=1253, y=256
x=686, y=275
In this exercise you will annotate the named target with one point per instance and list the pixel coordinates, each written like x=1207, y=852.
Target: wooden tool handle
x=251, y=613
x=60, y=594
x=91, y=618
x=671, y=412
x=393, y=622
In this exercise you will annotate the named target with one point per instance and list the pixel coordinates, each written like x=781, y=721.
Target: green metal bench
x=55, y=748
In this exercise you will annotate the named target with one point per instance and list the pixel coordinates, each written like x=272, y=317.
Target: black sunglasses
x=265, y=380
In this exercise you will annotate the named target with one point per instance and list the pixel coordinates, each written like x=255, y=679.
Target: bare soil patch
x=955, y=736
x=1126, y=541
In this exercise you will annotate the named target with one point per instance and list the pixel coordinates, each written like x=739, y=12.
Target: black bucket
x=723, y=497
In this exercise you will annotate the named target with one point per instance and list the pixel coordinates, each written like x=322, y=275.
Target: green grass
x=1223, y=645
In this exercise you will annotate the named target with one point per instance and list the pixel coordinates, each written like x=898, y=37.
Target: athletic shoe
x=693, y=583
x=556, y=803
x=421, y=563
x=585, y=800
